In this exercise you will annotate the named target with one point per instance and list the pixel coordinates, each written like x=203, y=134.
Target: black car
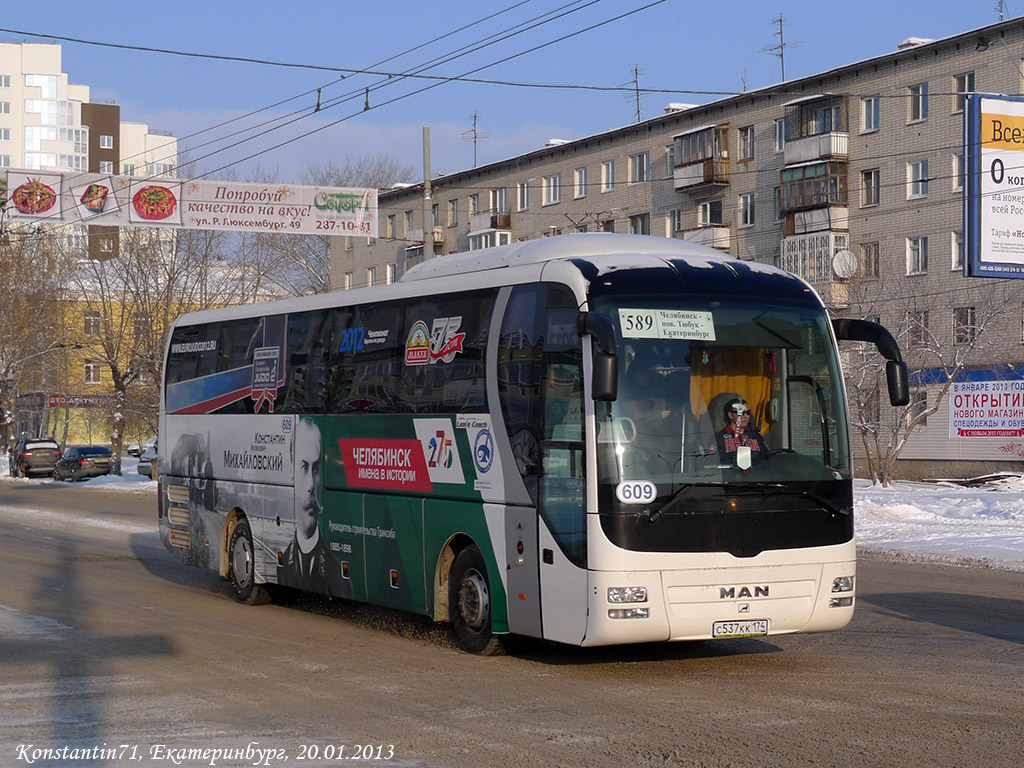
x=34, y=456
x=82, y=461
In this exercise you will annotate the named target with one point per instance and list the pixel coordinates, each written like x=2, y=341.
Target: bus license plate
x=752, y=628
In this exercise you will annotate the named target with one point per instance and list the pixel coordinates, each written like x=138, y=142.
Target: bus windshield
x=731, y=392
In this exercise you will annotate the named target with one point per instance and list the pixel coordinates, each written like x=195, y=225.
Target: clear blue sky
x=676, y=44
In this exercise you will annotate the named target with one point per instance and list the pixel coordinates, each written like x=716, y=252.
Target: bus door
x=540, y=389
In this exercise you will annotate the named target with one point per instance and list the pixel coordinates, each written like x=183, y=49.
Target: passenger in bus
x=738, y=434
x=307, y=563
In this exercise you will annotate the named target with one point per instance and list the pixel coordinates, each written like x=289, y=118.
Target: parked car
x=147, y=461
x=82, y=461
x=135, y=450
x=34, y=456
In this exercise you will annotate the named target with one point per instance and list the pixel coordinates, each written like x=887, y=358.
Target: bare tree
x=940, y=336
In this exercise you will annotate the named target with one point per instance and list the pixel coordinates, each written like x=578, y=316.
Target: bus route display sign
x=994, y=188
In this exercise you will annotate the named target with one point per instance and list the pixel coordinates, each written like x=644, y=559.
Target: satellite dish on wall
x=844, y=263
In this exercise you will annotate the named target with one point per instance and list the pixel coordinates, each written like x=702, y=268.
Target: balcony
x=489, y=220
x=812, y=256
x=825, y=146
x=713, y=236
x=416, y=236
x=712, y=171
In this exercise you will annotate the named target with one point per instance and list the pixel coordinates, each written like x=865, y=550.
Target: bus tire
x=242, y=567
x=469, y=601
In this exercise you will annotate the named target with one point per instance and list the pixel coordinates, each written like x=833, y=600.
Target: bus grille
x=180, y=539
x=179, y=516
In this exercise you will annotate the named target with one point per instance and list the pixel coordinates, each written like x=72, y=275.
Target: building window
x=5, y=161
x=106, y=166
x=918, y=107
x=917, y=255
x=917, y=179
x=608, y=226
x=965, y=327
x=607, y=175
x=5, y=81
x=746, y=209
x=958, y=172
x=918, y=405
x=868, y=263
x=407, y=223
x=92, y=322
x=346, y=281
x=870, y=187
x=389, y=227
x=709, y=214
x=435, y=216
x=499, y=200
x=956, y=249
x=106, y=245
x=453, y=213
x=389, y=274
x=129, y=169
x=869, y=114
x=141, y=325
x=474, y=204
x=371, y=276
x=522, y=196
x=781, y=133
x=676, y=220
x=747, y=143
x=707, y=144
x=917, y=328
x=579, y=183
x=962, y=85
x=639, y=167
x=640, y=224
x=5, y=107
x=552, y=189
x=812, y=186
x=93, y=372
x=106, y=142
x=5, y=134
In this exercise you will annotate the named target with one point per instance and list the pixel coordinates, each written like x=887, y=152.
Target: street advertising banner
x=110, y=200
x=994, y=186
x=986, y=409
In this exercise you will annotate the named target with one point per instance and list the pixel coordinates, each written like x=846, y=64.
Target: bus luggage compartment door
x=523, y=581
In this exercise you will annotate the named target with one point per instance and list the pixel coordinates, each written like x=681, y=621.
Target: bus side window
x=309, y=338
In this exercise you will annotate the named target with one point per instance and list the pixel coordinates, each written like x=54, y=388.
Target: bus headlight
x=843, y=584
x=627, y=594
x=629, y=613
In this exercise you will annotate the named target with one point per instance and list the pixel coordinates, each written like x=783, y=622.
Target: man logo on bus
x=441, y=454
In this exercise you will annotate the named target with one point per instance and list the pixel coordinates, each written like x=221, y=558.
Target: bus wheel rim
x=474, y=600
x=241, y=562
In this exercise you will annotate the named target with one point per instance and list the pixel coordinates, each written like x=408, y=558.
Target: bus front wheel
x=469, y=604
x=242, y=567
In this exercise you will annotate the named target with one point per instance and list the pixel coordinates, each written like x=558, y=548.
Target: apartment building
x=851, y=178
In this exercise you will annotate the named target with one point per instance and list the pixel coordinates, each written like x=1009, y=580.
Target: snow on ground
x=943, y=522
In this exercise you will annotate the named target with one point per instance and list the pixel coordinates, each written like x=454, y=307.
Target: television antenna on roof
x=475, y=135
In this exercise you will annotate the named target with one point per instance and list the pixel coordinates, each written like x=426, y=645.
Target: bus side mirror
x=605, y=382
x=898, y=381
x=896, y=375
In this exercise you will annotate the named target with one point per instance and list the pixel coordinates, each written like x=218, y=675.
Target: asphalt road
x=109, y=643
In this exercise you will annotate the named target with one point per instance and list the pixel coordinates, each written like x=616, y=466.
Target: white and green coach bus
x=591, y=439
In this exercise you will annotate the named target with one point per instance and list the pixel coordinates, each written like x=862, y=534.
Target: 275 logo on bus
x=440, y=343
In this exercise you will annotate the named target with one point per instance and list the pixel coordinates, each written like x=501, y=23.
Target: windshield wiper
x=744, y=489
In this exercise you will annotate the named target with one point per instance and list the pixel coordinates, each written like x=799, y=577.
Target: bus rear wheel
x=469, y=604
x=242, y=567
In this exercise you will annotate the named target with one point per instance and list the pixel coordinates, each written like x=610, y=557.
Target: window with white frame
x=917, y=255
x=106, y=166
x=371, y=276
x=499, y=200
x=607, y=175
x=523, y=196
x=453, y=213
x=389, y=227
x=128, y=169
x=747, y=143
x=346, y=281
x=918, y=405
x=407, y=222
x=579, y=183
x=868, y=263
x=869, y=106
x=962, y=85
x=677, y=219
x=552, y=191
x=5, y=134
x=5, y=161
x=917, y=179
x=917, y=327
x=389, y=274
x=47, y=85
x=5, y=107
x=709, y=214
x=917, y=109
x=92, y=322
x=870, y=187
x=965, y=325
x=781, y=133
x=106, y=245
x=106, y=141
x=435, y=216
x=956, y=250
x=639, y=167
x=640, y=224
x=746, y=209
x=958, y=172
x=777, y=198
x=5, y=81
x=142, y=324
x=474, y=204
x=93, y=372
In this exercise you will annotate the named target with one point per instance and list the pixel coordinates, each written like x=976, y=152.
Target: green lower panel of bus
x=390, y=547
